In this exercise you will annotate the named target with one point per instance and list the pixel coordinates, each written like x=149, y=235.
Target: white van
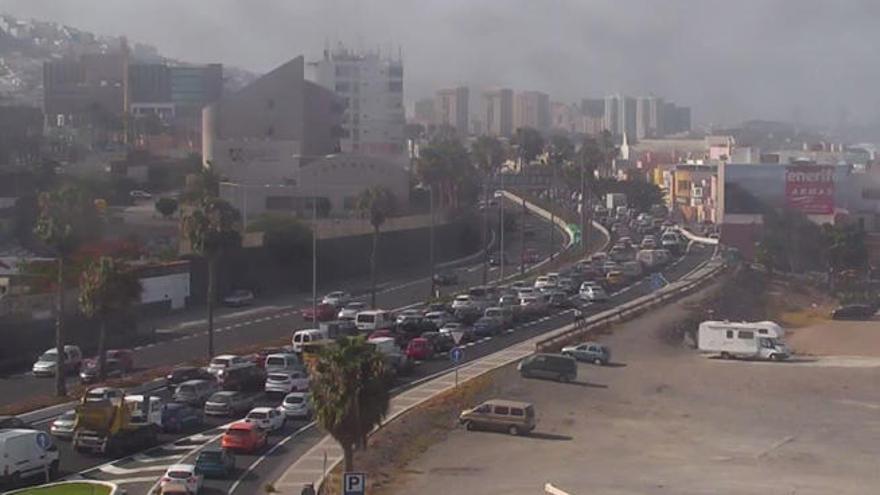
x=377, y=319
x=301, y=337
x=27, y=453
x=282, y=362
x=758, y=340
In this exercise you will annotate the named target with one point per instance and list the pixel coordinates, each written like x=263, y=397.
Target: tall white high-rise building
x=371, y=88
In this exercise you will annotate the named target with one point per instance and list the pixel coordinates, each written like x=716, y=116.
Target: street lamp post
x=315, y=261
x=484, y=235
x=501, y=228
x=431, y=238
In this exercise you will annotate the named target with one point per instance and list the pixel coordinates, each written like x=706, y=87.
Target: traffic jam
x=214, y=420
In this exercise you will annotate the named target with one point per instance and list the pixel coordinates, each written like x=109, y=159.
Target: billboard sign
x=810, y=189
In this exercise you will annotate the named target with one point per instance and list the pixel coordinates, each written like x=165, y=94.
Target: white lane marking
x=118, y=471
x=142, y=479
x=146, y=458
x=267, y=454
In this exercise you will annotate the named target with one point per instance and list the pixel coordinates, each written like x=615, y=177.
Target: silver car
x=62, y=427
x=297, y=405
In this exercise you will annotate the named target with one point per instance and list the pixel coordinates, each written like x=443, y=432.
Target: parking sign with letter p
x=354, y=483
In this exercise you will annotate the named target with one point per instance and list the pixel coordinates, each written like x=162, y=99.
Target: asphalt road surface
x=138, y=474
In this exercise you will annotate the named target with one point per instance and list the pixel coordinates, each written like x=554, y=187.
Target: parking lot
x=664, y=419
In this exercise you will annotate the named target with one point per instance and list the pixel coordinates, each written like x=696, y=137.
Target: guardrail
x=577, y=331
x=696, y=238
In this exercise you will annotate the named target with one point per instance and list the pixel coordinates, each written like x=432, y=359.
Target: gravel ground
x=667, y=420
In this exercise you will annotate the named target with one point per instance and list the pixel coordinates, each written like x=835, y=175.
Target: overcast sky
x=729, y=59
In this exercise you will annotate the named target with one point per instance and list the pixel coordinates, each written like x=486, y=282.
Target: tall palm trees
x=211, y=227
x=67, y=216
x=376, y=203
x=350, y=391
x=107, y=287
x=446, y=166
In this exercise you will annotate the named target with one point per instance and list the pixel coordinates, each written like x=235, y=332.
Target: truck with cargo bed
x=117, y=426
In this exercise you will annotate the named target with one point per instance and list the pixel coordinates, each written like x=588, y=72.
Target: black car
x=244, y=378
x=854, y=312
x=445, y=278
x=486, y=327
x=184, y=374
x=177, y=417
x=112, y=369
x=11, y=423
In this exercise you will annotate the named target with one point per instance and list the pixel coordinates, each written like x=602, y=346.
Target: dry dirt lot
x=666, y=420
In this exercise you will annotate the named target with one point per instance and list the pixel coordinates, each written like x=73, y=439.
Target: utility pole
x=553, y=215
x=584, y=237
x=501, y=205
x=484, y=235
x=522, y=239
x=431, y=235
x=315, y=262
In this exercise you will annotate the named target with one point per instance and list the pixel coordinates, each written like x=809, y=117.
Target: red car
x=325, y=312
x=419, y=349
x=380, y=333
x=244, y=437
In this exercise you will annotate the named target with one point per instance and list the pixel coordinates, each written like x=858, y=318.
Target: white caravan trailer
x=756, y=340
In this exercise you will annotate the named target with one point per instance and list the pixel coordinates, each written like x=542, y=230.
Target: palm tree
x=350, y=393
x=378, y=203
x=106, y=288
x=211, y=228
x=67, y=216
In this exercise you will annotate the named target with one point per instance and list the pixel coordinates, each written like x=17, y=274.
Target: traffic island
x=71, y=488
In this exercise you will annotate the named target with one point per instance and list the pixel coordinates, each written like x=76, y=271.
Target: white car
x=239, y=298
x=99, y=394
x=438, y=318
x=181, y=475
x=351, y=310
x=267, y=418
x=337, y=298
x=286, y=382
x=463, y=301
x=525, y=292
x=408, y=315
x=138, y=194
x=227, y=361
x=593, y=293
x=544, y=282
x=297, y=405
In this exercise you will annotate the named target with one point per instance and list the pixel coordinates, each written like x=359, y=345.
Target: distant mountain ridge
x=26, y=44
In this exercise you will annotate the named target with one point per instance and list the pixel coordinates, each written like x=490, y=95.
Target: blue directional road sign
x=354, y=483
x=456, y=354
x=658, y=281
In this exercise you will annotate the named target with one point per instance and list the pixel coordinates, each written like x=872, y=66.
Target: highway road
x=139, y=473
x=251, y=327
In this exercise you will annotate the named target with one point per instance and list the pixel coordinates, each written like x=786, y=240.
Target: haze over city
x=731, y=61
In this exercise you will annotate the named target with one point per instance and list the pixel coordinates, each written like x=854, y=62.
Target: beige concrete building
x=451, y=108
x=497, y=112
x=275, y=144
